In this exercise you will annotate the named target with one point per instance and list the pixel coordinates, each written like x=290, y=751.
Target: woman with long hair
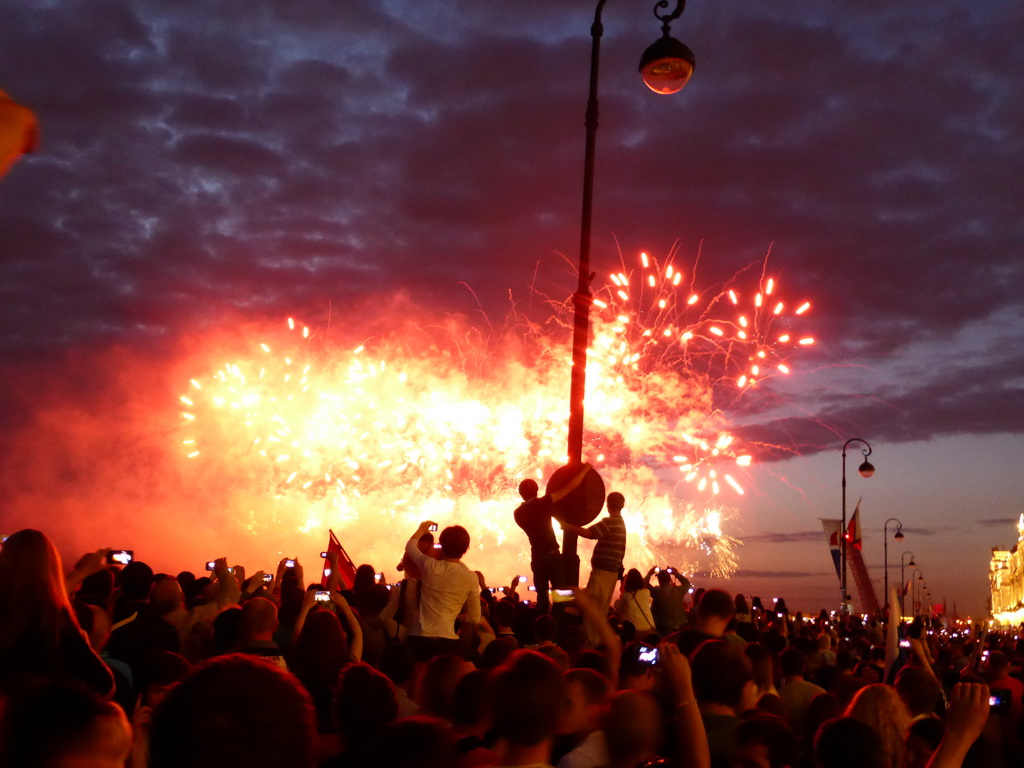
x=318, y=654
x=634, y=603
x=39, y=635
x=881, y=707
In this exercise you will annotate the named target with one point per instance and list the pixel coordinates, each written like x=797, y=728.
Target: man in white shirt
x=447, y=586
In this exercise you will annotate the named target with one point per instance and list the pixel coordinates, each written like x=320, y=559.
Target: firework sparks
x=372, y=439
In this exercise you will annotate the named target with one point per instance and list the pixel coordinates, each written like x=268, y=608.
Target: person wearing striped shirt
x=606, y=560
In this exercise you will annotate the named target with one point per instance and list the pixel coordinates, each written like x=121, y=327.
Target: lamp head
x=666, y=65
x=867, y=469
x=911, y=564
x=898, y=535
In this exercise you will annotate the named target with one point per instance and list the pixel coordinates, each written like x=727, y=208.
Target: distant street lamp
x=866, y=469
x=903, y=580
x=898, y=536
x=666, y=67
x=913, y=588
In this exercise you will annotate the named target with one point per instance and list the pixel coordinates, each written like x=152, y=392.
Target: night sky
x=216, y=165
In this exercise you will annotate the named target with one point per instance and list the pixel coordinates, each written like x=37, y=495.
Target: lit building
x=1006, y=580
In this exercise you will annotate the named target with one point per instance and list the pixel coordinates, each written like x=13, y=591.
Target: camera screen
x=268, y=577
x=999, y=698
x=289, y=563
x=323, y=596
x=647, y=655
x=120, y=556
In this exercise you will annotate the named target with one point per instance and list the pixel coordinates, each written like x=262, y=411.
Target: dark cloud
x=745, y=574
x=784, y=538
x=1006, y=523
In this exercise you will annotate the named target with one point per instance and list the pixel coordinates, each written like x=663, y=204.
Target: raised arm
x=228, y=590
x=693, y=739
x=412, y=551
x=968, y=712
x=94, y=562
x=647, y=578
x=598, y=623
x=356, y=643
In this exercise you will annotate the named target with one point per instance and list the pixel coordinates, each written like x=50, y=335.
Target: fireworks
x=372, y=439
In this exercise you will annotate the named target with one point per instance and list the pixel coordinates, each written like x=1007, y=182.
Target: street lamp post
x=666, y=67
x=866, y=469
x=898, y=536
x=903, y=580
x=913, y=587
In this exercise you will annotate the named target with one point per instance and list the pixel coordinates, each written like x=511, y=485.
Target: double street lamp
x=898, y=536
x=866, y=469
x=666, y=67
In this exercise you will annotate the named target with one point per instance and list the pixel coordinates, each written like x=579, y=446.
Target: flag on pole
x=19, y=131
x=832, y=529
x=853, y=533
x=346, y=568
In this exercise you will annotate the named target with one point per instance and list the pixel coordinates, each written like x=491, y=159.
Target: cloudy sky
x=219, y=163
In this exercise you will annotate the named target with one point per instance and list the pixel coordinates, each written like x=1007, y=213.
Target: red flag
x=346, y=568
x=19, y=132
x=853, y=534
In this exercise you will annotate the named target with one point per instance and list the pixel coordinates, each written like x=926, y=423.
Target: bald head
x=259, y=619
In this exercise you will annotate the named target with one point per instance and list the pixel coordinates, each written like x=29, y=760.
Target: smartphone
x=120, y=556
x=323, y=555
x=657, y=569
x=562, y=596
x=647, y=655
x=322, y=596
x=433, y=527
x=268, y=577
x=904, y=643
x=522, y=579
x=289, y=563
x=532, y=588
x=211, y=564
x=999, y=701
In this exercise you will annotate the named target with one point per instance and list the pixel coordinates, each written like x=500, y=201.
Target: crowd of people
x=111, y=664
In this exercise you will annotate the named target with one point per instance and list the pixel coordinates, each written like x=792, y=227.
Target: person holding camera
x=168, y=601
x=447, y=585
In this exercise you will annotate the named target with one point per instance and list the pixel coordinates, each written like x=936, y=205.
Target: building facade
x=1006, y=581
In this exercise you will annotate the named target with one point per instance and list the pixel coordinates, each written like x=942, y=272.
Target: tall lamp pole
x=898, y=536
x=666, y=67
x=866, y=469
x=913, y=587
x=903, y=581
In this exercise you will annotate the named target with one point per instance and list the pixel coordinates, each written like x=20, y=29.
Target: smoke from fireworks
x=369, y=438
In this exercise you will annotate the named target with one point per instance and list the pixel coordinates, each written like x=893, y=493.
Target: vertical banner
x=832, y=529
x=855, y=562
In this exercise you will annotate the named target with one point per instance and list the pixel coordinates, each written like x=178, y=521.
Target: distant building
x=1006, y=580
